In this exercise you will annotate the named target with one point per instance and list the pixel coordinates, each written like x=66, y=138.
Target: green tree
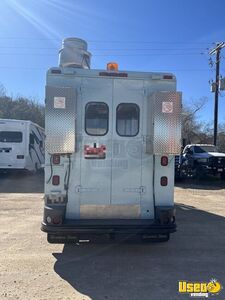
x=21, y=108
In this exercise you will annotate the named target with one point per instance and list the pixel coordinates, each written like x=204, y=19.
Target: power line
x=27, y=47
x=106, y=54
x=46, y=67
x=149, y=54
x=145, y=49
x=110, y=41
x=27, y=54
x=29, y=38
x=105, y=49
x=151, y=42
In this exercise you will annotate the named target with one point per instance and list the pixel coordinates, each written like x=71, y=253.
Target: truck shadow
x=212, y=183
x=22, y=182
x=148, y=271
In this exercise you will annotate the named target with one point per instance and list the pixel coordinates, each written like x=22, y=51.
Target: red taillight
x=55, y=180
x=56, y=159
x=164, y=181
x=57, y=220
x=164, y=161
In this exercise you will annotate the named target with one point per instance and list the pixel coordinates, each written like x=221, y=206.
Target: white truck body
x=110, y=144
x=21, y=145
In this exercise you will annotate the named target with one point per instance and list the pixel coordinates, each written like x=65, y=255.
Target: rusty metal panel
x=60, y=119
x=167, y=122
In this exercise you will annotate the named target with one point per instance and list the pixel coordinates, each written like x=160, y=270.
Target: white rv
x=21, y=145
x=111, y=137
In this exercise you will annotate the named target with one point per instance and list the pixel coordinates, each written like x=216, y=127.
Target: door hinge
x=142, y=189
x=80, y=189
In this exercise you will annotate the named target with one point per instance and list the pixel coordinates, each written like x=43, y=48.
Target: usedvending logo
x=200, y=289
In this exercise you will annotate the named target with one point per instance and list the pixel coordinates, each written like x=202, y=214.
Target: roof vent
x=74, y=54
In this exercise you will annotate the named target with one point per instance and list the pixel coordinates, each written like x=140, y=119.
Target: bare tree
x=191, y=127
x=2, y=90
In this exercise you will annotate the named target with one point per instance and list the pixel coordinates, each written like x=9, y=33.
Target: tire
x=187, y=171
x=193, y=172
x=182, y=172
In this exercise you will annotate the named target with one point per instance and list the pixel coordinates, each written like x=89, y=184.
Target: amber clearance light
x=112, y=66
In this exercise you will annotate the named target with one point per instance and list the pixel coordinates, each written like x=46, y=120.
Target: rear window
x=127, y=119
x=11, y=136
x=96, y=118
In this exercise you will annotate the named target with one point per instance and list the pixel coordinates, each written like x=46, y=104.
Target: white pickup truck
x=198, y=160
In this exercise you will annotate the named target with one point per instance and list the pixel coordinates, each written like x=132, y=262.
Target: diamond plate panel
x=167, y=122
x=60, y=119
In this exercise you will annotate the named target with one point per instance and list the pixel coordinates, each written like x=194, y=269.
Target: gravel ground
x=30, y=268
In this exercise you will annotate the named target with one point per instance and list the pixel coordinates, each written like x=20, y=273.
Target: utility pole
x=216, y=51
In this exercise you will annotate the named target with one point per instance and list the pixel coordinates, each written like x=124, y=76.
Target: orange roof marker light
x=112, y=66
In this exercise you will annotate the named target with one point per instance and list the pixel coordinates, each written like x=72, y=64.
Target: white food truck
x=111, y=137
x=21, y=145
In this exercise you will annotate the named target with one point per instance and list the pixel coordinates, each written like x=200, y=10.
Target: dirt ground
x=30, y=268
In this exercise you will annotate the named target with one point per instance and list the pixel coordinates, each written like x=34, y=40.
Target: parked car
x=198, y=160
x=21, y=145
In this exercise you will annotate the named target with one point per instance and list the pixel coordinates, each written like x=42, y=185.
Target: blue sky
x=144, y=35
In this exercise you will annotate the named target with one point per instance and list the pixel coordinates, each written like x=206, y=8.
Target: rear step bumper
x=103, y=226
x=70, y=230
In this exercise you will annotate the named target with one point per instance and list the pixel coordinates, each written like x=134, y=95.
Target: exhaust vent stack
x=74, y=54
